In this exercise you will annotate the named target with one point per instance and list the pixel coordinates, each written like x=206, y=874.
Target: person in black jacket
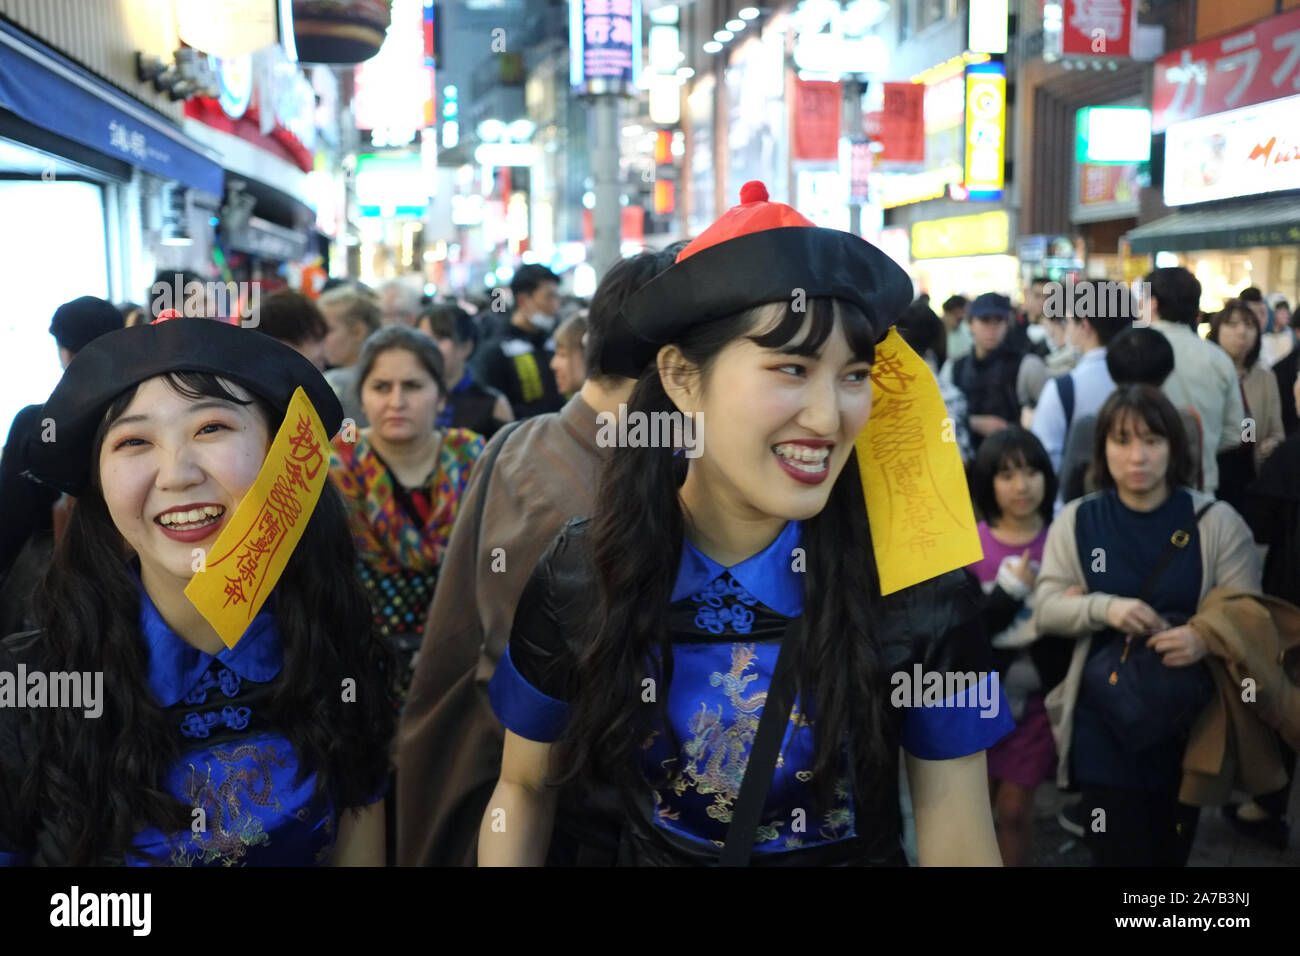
x=1272, y=509
x=998, y=377
x=470, y=403
x=25, y=506
x=517, y=360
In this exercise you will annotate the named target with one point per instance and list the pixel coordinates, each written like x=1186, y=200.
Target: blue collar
x=175, y=666
x=466, y=381
x=767, y=575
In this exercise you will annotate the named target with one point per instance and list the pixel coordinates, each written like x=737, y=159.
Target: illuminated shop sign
x=986, y=108
x=1241, y=153
x=604, y=44
x=1113, y=134
x=985, y=234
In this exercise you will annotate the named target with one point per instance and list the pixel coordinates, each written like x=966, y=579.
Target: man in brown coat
x=545, y=472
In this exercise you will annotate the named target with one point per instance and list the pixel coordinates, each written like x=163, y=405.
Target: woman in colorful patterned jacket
x=403, y=479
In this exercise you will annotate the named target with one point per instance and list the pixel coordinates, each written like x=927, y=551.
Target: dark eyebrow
x=208, y=404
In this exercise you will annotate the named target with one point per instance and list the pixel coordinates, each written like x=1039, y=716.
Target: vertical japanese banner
x=861, y=161
x=604, y=43
x=816, y=120
x=1098, y=27
x=902, y=123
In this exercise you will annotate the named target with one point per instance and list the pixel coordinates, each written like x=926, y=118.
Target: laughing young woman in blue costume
x=161, y=430
x=654, y=638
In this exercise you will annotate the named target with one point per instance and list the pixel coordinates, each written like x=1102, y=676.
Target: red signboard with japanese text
x=816, y=120
x=900, y=126
x=1097, y=28
x=1248, y=66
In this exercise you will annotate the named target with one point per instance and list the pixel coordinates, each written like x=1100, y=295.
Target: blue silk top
x=726, y=626
x=236, y=770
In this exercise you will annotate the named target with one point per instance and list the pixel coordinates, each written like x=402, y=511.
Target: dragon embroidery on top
x=716, y=754
x=232, y=827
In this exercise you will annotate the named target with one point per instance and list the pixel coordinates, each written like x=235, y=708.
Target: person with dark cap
x=998, y=377
x=532, y=478
x=658, y=645
x=195, y=448
x=516, y=360
x=26, y=508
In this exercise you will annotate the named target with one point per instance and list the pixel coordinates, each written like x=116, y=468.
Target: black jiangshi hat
x=115, y=362
x=757, y=252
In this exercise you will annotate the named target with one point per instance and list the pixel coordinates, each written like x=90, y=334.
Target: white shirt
x=1092, y=386
x=1205, y=380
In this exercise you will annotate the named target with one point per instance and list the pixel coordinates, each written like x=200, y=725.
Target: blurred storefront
x=943, y=141
x=963, y=255
x=267, y=126
x=100, y=183
x=1226, y=110
x=1082, y=99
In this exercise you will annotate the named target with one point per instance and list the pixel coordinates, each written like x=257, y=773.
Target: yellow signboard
x=986, y=124
x=988, y=233
x=918, y=504
x=251, y=553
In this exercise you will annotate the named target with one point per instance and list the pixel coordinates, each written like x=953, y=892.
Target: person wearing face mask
x=658, y=645
x=164, y=430
x=402, y=478
x=516, y=361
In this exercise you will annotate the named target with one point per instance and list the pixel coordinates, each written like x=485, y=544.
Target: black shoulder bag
x=1144, y=702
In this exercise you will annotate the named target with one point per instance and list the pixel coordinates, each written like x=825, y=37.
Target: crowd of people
x=557, y=651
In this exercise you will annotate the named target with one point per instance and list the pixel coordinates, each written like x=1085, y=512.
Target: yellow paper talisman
x=249, y=556
x=918, y=504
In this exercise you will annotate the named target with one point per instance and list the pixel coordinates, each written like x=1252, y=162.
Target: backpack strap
x=757, y=780
x=1065, y=390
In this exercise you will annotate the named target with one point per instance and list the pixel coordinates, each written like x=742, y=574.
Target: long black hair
x=636, y=542
x=96, y=783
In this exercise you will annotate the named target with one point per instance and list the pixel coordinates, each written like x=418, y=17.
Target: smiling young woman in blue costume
x=161, y=431
x=645, y=646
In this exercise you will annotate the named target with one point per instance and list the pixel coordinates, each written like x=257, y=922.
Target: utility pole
x=607, y=216
x=853, y=128
x=605, y=58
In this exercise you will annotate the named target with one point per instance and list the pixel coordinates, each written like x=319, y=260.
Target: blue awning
x=47, y=90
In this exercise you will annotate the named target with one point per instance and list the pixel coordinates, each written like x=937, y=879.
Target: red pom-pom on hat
x=754, y=214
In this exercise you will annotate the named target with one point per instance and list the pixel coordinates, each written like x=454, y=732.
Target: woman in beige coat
x=1099, y=557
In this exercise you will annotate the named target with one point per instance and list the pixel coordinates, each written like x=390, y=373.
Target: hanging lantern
x=340, y=31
